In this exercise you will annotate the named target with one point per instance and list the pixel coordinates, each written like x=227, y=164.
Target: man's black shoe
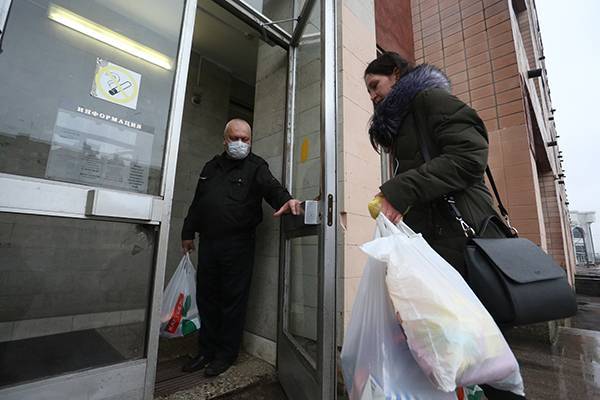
x=196, y=364
x=216, y=367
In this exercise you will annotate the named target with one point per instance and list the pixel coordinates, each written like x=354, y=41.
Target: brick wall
x=472, y=41
x=568, y=239
x=552, y=217
x=394, y=27
x=525, y=30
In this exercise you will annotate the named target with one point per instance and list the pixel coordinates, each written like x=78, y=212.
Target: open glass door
x=90, y=113
x=306, y=336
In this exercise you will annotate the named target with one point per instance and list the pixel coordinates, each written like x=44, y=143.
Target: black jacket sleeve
x=461, y=140
x=272, y=191
x=188, y=232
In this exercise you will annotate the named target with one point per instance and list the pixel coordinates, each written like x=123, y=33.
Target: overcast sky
x=571, y=37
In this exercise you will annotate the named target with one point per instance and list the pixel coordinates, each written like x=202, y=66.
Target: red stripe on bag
x=177, y=313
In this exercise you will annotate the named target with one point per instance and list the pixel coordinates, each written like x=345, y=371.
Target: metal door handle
x=306, y=223
x=312, y=216
x=115, y=204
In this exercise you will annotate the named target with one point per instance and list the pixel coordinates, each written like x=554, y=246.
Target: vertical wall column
x=555, y=242
x=268, y=142
x=358, y=162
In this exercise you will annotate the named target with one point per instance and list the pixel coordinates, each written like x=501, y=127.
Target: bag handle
x=386, y=226
x=188, y=263
x=425, y=146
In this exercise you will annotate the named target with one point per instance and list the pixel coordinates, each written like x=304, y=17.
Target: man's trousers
x=223, y=284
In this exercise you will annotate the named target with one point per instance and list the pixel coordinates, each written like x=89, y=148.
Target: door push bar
x=304, y=224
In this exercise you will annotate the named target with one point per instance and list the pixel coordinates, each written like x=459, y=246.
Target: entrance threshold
x=172, y=383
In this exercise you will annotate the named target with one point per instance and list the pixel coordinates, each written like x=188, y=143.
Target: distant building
x=583, y=244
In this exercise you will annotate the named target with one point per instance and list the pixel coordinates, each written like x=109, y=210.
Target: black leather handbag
x=516, y=280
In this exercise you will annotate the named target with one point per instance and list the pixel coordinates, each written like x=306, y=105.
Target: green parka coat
x=459, y=149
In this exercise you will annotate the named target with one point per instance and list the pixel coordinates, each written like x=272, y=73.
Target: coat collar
x=390, y=112
x=226, y=163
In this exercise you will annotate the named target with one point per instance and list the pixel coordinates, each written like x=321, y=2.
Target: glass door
x=306, y=339
x=90, y=112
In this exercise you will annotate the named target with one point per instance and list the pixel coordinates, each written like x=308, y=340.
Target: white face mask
x=238, y=150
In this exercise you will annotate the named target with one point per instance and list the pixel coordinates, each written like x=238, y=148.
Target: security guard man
x=225, y=211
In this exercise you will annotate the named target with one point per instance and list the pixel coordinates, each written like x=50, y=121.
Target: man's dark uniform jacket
x=229, y=195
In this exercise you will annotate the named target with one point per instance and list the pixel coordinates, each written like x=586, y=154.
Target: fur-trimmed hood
x=390, y=112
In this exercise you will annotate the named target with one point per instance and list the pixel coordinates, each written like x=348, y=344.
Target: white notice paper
x=100, y=153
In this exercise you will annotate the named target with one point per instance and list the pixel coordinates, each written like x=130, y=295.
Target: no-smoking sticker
x=116, y=84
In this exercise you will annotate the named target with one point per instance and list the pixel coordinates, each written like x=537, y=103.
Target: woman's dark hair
x=386, y=63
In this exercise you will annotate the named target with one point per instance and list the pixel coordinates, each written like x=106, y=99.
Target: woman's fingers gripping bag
x=450, y=334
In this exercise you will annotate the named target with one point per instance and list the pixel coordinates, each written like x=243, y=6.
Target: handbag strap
x=425, y=146
x=501, y=207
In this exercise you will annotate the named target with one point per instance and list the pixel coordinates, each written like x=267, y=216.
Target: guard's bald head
x=237, y=129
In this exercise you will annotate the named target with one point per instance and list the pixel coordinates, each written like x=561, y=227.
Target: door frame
x=69, y=200
x=20, y=194
x=171, y=154
x=329, y=127
x=300, y=379
x=255, y=19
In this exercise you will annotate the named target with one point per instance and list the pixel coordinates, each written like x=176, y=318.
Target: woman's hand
x=389, y=211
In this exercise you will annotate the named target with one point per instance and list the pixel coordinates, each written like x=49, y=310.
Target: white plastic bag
x=450, y=333
x=179, y=313
x=376, y=361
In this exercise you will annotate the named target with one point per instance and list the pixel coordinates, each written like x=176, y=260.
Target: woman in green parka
x=416, y=101
x=413, y=103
